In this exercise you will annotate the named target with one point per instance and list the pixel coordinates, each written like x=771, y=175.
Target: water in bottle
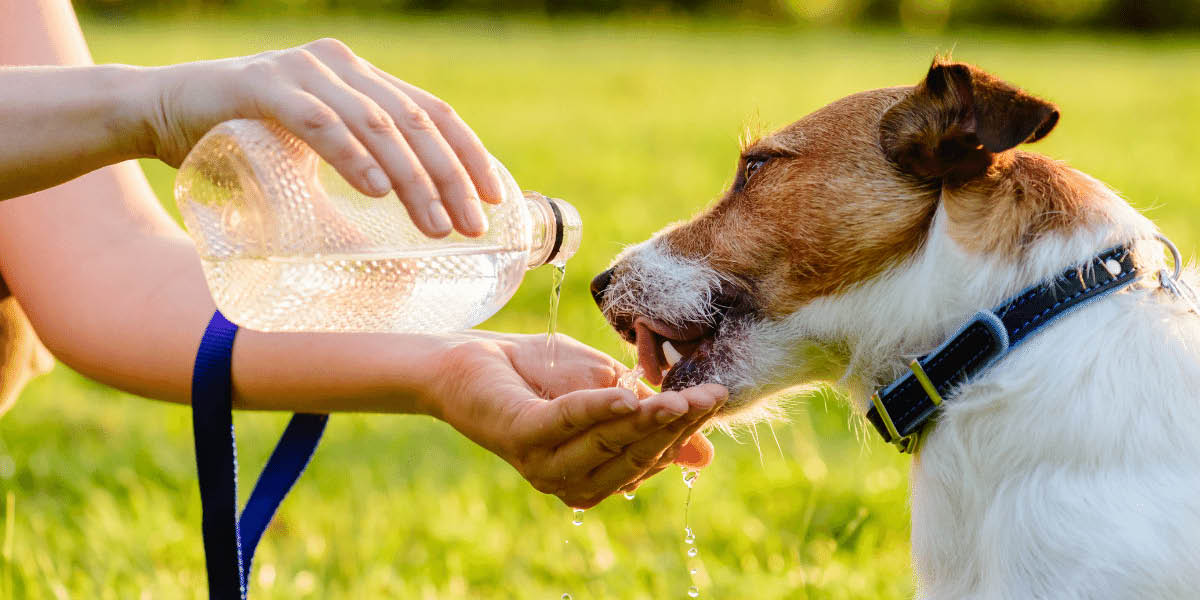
x=288, y=245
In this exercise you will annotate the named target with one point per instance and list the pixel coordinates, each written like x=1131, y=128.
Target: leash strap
x=900, y=409
x=230, y=541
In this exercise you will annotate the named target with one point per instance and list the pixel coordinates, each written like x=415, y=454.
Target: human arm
x=115, y=290
x=381, y=133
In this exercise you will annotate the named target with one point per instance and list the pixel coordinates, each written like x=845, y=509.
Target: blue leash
x=230, y=541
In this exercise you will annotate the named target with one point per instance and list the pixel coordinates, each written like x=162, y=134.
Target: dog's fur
x=22, y=355
x=874, y=228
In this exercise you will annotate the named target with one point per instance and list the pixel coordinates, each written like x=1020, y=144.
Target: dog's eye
x=752, y=166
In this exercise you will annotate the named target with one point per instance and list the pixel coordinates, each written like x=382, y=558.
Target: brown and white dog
x=865, y=234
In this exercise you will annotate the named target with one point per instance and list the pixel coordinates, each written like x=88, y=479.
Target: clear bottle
x=288, y=245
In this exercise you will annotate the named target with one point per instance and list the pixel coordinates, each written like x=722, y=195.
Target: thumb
x=697, y=453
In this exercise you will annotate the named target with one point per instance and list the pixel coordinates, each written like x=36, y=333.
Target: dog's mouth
x=667, y=352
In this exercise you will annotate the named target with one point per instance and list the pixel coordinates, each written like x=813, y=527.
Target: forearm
x=115, y=290
x=62, y=122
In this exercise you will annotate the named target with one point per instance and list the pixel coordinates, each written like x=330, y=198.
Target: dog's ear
x=957, y=119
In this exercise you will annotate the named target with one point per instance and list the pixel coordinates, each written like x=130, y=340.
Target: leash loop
x=230, y=539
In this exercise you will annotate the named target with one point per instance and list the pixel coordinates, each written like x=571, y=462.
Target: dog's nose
x=599, y=284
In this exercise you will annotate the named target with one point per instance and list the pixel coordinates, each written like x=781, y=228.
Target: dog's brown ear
x=955, y=120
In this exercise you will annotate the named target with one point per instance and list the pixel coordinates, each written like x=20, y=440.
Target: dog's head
x=826, y=207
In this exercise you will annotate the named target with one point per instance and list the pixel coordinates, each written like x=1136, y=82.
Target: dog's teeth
x=672, y=355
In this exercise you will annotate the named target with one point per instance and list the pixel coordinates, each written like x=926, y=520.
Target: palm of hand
x=566, y=428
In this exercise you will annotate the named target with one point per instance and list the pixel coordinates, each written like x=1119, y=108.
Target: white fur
x=1069, y=470
x=673, y=289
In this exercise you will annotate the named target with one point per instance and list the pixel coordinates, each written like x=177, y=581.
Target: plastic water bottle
x=288, y=245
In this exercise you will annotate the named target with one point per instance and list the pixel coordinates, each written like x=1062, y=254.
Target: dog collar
x=900, y=409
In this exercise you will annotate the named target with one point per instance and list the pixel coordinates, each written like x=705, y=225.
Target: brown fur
x=22, y=355
x=851, y=189
x=825, y=212
x=1023, y=198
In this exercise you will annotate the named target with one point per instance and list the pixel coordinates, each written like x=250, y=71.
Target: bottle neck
x=555, y=230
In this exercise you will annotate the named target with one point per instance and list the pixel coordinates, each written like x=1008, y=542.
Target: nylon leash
x=230, y=540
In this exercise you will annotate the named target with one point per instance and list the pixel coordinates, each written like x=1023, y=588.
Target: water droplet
x=556, y=283
x=690, y=538
x=628, y=495
x=693, y=592
x=689, y=477
x=692, y=571
x=568, y=596
x=693, y=551
x=630, y=378
x=578, y=520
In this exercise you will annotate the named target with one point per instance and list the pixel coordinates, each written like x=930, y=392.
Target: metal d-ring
x=1175, y=256
x=1173, y=283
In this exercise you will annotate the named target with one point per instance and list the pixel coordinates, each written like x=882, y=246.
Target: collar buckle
x=907, y=444
x=901, y=409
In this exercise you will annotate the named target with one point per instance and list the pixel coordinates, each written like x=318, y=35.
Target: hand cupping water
x=566, y=429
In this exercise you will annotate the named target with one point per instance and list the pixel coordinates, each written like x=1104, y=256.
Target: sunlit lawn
x=637, y=126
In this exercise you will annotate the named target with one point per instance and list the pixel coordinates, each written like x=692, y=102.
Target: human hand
x=590, y=439
x=378, y=132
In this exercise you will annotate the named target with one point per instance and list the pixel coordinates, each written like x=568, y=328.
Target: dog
x=865, y=235
x=22, y=355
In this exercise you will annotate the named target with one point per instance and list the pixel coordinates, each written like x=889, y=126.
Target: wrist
x=461, y=363
x=134, y=94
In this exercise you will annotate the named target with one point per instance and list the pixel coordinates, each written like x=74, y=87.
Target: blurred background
x=631, y=111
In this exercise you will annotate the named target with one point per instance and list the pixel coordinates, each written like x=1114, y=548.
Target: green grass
x=636, y=124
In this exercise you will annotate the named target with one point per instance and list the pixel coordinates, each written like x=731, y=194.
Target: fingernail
x=438, y=219
x=495, y=185
x=377, y=181
x=476, y=221
x=666, y=415
x=625, y=405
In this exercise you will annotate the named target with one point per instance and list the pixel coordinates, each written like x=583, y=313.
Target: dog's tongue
x=649, y=335
x=649, y=350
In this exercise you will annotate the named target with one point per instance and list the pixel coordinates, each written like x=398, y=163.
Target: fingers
x=376, y=129
x=460, y=137
x=644, y=455
x=610, y=440
x=422, y=133
x=622, y=450
x=380, y=135
x=323, y=129
x=695, y=452
x=579, y=411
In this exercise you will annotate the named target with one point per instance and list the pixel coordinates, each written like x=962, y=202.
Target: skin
x=96, y=259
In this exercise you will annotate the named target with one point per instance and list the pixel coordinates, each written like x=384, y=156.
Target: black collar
x=902, y=407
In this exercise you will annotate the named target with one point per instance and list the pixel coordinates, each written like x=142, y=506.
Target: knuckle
x=643, y=460
x=348, y=152
x=262, y=68
x=568, y=420
x=606, y=446
x=317, y=117
x=378, y=121
x=333, y=46
x=303, y=57
x=416, y=119
x=440, y=109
